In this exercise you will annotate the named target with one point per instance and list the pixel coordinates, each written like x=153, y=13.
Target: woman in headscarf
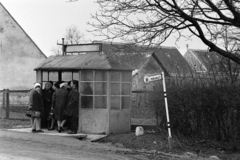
x=47, y=94
x=36, y=106
x=59, y=103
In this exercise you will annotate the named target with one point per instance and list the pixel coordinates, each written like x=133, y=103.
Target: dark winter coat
x=59, y=102
x=35, y=101
x=73, y=103
x=47, y=101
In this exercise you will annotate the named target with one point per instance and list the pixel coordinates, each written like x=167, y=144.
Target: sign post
x=148, y=79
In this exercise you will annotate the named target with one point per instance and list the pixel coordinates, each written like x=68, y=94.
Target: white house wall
x=19, y=55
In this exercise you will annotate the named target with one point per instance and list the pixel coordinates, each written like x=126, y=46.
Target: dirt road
x=29, y=146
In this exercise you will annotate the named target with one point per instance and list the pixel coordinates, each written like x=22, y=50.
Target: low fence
x=13, y=104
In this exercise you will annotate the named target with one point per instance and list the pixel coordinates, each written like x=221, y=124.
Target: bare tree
x=215, y=22
x=72, y=36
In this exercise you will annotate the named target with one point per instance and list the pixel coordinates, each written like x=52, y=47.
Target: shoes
x=72, y=132
x=50, y=129
x=39, y=131
x=61, y=128
x=33, y=130
x=59, y=131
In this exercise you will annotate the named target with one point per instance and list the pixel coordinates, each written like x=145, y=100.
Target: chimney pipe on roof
x=63, y=48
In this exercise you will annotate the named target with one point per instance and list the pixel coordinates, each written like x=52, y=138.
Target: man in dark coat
x=73, y=107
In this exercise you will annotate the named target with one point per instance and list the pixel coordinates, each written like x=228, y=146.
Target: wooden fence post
x=7, y=104
x=3, y=103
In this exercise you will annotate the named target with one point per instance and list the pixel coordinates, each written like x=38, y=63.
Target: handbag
x=36, y=114
x=28, y=113
x=51, y=115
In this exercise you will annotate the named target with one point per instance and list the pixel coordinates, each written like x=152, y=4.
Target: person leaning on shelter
x=36, y=106
x=73, y=107
x=59, y=103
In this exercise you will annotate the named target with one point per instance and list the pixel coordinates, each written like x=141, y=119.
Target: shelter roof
x=82, y=61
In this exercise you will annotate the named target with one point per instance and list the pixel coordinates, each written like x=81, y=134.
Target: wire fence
x=13, y=104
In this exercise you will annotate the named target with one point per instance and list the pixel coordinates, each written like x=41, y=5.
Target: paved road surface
x=32, y=146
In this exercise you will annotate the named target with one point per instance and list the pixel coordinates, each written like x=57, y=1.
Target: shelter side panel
x=94, y=121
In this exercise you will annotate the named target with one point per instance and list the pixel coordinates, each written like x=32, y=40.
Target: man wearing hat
x=36, y=105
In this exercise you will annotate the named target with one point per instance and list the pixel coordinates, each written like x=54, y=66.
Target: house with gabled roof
x=19, y=55
x=213, y=65
x=148, y=61
x=203, y=61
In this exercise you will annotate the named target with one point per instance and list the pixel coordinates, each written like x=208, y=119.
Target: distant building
x=148, y=61
x=203, y=61
x=211, y=65
x=19, y=55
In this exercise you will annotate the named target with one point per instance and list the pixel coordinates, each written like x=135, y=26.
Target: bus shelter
x=105, y=106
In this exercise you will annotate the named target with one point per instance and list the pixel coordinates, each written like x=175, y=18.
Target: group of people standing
x=62, y=101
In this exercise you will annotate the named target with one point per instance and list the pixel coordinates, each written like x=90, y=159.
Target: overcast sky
x=46, y=21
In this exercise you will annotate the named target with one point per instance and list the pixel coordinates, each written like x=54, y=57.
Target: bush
x=203, y=108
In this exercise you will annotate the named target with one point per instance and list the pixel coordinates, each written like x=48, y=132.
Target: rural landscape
x=128, y=91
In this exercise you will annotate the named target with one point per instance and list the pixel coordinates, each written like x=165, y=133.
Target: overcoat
x=59, y=102
x=73, y=103
x=35, y=101
x=47, y=101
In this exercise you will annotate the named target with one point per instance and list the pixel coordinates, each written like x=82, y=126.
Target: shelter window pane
x=86, y=88
x=125, y=89
x=53, y=76
x=45, y=75
x=115, y=102
x=76, y=76
x=115, y=88
x=100, y=88
x=101, y=102
x=115, y=76
x=87, y=101
x=87, y=75
x=126, y=77
x=100, y=76
x=66, y=76
x=125, y=103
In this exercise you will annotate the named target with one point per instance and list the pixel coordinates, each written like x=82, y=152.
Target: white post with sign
x=167, y=113
x=148, y=79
